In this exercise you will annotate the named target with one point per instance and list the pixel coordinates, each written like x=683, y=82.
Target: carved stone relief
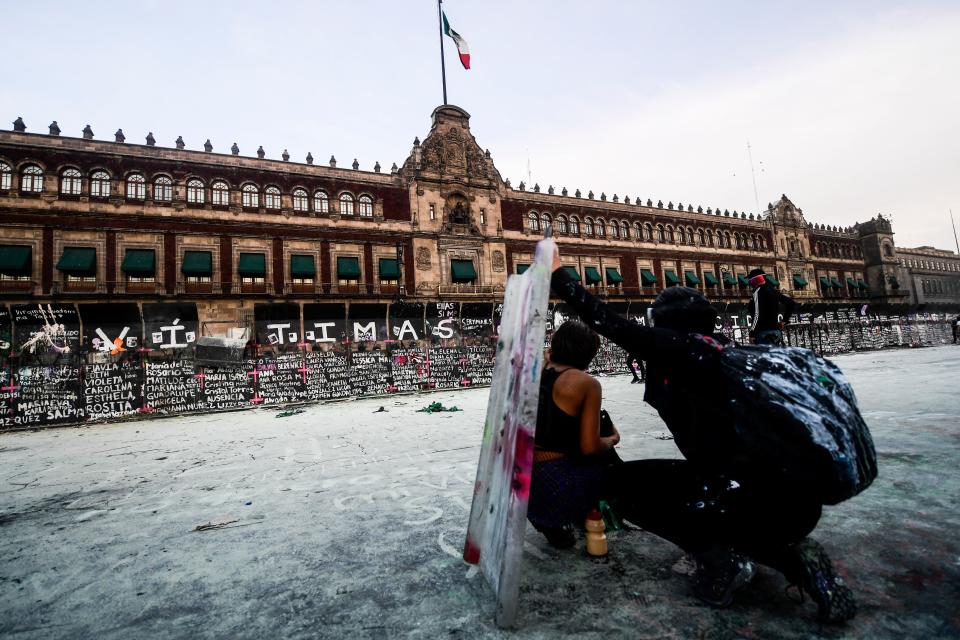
x=499, y=264
x=423, y=258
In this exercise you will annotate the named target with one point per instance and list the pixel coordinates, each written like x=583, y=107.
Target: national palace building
x=86, y=220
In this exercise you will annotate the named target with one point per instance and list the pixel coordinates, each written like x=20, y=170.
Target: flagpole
x=954, y=225
x=443, y=67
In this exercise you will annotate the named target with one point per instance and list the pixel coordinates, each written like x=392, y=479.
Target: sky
x=849, y=108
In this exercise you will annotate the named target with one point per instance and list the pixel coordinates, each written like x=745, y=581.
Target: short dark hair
x=574, y=344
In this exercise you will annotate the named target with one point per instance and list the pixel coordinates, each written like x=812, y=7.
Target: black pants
x=750, y=512
x=643, y=370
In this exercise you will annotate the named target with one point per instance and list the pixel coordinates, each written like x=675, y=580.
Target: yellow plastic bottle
x=596, y=538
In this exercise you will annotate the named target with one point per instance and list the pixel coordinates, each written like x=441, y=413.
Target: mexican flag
x=459, y=41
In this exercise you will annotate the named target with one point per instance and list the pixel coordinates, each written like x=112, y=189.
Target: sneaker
x=559, y=537
x=719, y=574
x=835, y=602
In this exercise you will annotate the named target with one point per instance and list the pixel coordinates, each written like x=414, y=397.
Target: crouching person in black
x=718, y=504
x=570, y=455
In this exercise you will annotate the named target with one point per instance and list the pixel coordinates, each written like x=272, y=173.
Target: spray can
x=596, y=538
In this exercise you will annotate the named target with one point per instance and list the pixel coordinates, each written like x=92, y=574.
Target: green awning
x=197, y=263
x=252, y=264
x=572, y=272
x=835, y=283
x=522, y=267
x=613, y=276
x=862, y=284
x=348, y=268
x=302, y=267
x=671, y=277
x=851, y=283
x=389, y=269
x=798, y=281
x=593, y=276
x=742, y=279
x=710, y=278
x=769, y=278
x=824, y=282
x=729, y=279
x=691, y=278
x=15, y=260
x=139, y=262
x=463, y=271
x=647, y=277
x=81, y=261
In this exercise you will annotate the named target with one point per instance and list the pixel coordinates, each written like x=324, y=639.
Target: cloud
x=856, y=125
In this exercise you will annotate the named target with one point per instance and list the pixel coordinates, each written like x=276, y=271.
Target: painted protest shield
x=277, y=326
x=479, y=342
x=498, y=515
x=328, y=361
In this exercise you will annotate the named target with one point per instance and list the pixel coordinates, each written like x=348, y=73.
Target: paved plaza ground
x=349, y=522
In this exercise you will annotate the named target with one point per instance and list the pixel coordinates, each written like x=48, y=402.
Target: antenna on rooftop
x=954, y=225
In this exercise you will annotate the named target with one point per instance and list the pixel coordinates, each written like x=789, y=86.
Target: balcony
x=468, y=289
x=20, y=287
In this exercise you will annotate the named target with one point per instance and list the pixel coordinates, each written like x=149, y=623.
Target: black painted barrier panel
x=108, y=362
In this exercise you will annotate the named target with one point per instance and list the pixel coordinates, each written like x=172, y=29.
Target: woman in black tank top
x=568, y=470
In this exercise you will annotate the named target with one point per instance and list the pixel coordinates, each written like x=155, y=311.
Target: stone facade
x=444, y=225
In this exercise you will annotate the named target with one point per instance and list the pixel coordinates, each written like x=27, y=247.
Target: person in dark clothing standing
x=765, y=309
x=634, y=363
x=718, y=503
x=956, y=329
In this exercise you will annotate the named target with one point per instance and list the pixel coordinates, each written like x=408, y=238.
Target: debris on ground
x=218, y=523
x=289, y=412
x=380, y=410
x=436, y=407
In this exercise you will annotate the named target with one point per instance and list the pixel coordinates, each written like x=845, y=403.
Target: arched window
x=561, y=224
x=163, y=189
x=272, y=198
x=321, y=202
x=300, y=200
x=574, y=226
x=625, y=230
x=638, y=231
x=601, y=228
x=6, y=176
x=709, y=237
x=763, y=244
x=756, y=244
x=136, y=187
x=545, y=221
x=346, y=204
x=533, y=221
x=100, y=184
x=689, y=235
x=220, y=193
x=588, y=226
x=648, y=232
x=614, y=229
x=661, y=237
x=366, y=206
x=726, y=236
x=250, y=196
x=70, y=182
x=195, y=191
x=31, y=180
x=702, y=237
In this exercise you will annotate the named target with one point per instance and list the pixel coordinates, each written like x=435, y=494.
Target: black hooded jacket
x=684, y=383
x=765, y=308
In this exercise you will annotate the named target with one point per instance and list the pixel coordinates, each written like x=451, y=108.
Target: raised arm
x=644, y=342
x=788, y=306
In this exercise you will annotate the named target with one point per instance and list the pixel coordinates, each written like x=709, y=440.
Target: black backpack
x=796, y=411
